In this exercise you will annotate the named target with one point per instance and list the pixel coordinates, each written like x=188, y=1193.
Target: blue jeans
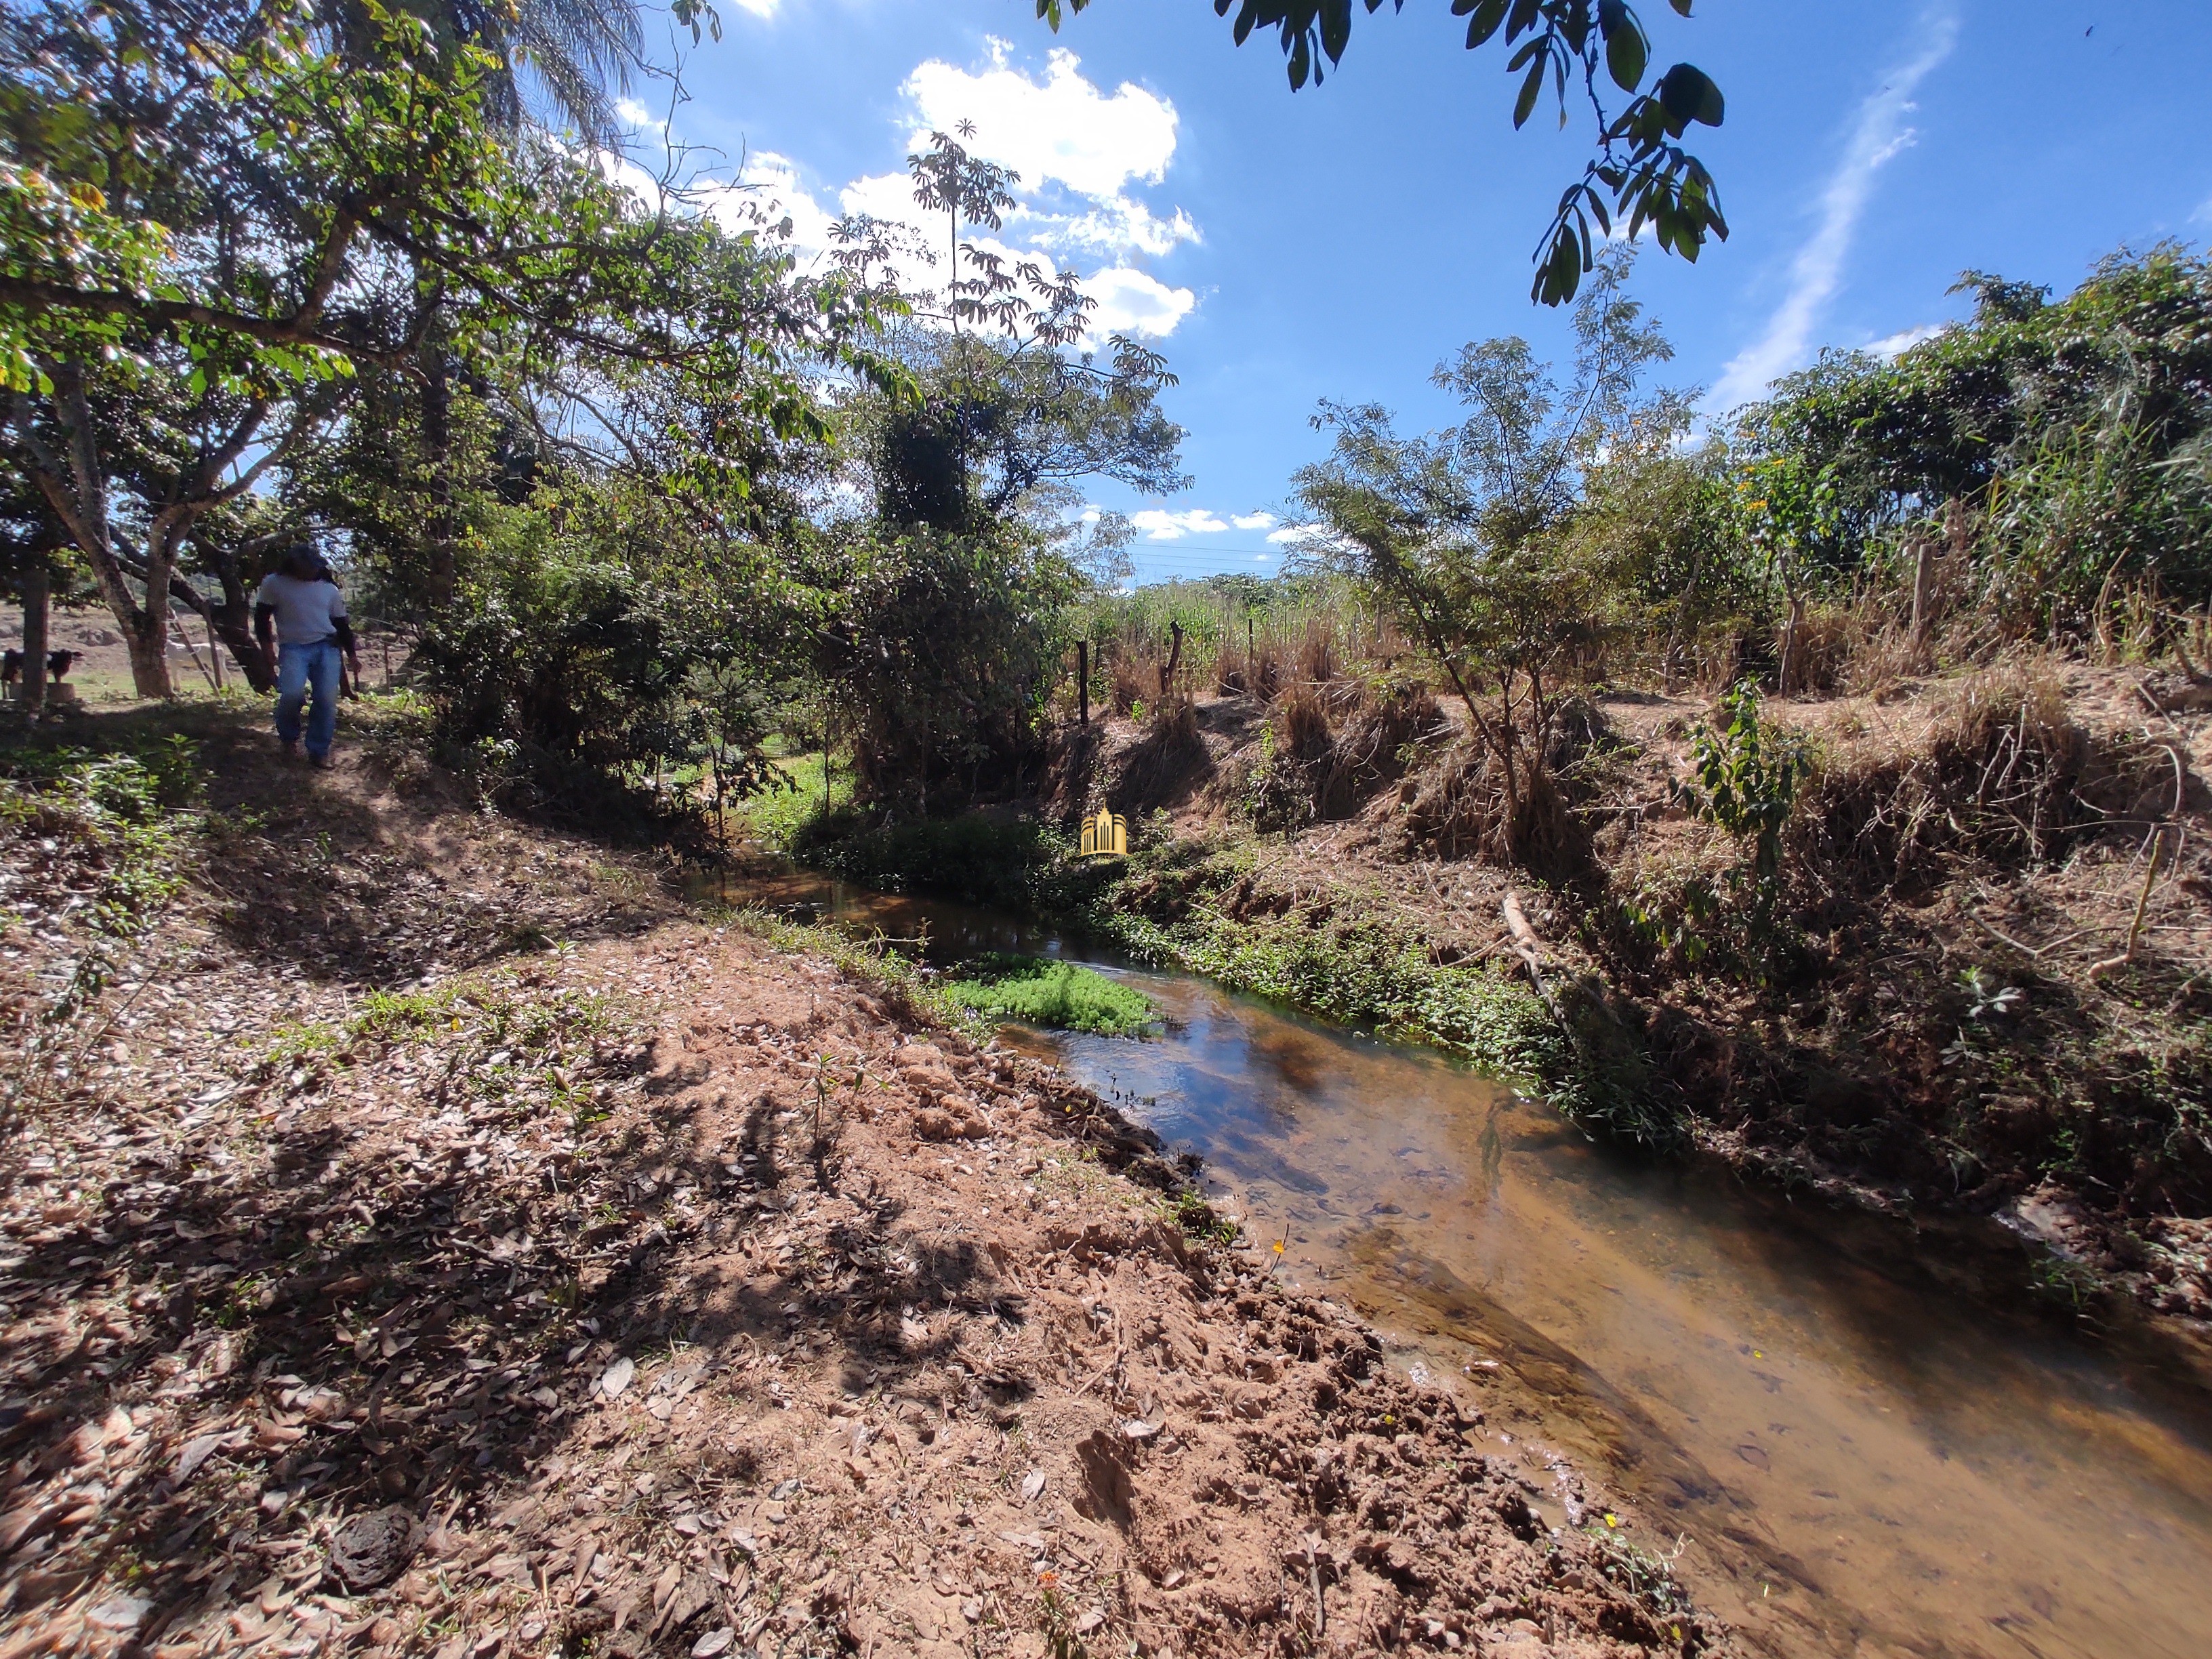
x=298, y=667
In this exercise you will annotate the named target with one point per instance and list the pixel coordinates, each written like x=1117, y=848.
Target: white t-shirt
x=305, y=611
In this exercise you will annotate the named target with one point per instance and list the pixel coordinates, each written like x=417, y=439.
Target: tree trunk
x=232, y=619
x=35, y=593
x=148, y=639
x=437, y=450
x=77, y=493
x=1083, y=681
x=149, y=661
x=232, y=623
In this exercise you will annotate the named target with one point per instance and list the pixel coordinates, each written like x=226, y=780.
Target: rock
x=370, y=1549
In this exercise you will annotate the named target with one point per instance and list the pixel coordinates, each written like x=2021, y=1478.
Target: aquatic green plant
x=1040, y=992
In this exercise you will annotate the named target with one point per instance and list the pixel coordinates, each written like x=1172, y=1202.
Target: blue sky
x=1282, y=248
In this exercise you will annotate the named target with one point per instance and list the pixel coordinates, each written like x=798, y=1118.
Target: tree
x=32, y=546
x=1640, y=174
x=235, y=204
x=944, y=604
x=1009, y=409
x=1659, y=515
x=942, y=647
x=1462, y=534
x=2075, y=431
x=573, y=49
x=1790, y=513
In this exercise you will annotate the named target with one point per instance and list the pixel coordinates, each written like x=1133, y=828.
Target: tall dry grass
x=2001, y=772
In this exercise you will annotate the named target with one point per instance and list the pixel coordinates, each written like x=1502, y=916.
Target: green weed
x=114, y=828
x=1058, y=995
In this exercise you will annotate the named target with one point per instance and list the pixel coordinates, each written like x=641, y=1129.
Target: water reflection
x=1878, y=1444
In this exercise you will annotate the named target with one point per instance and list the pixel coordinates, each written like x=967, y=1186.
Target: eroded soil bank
x=1852, y=1428
x=1989, y=988
x=425, y=1238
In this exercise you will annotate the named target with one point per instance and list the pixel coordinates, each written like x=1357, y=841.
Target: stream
x=1855, y=1436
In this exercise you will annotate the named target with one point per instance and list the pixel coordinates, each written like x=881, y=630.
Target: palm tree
x=579, y=53
x=570, y=59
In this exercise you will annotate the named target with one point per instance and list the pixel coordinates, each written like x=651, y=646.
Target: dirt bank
x=1955, y=1017
x=426, y=1238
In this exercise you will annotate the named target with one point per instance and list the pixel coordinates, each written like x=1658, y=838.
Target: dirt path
x=430, y=1240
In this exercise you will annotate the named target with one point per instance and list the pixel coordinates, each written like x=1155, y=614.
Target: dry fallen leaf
x=197, y=1451
x=119, y=1612
x=614, y=1380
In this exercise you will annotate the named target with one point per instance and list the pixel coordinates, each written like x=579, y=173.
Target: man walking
x=311, y=627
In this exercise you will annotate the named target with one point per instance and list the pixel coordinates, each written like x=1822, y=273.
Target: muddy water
x=1867, y=1441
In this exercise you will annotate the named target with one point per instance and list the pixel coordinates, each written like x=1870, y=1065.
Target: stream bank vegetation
x=1847, y=761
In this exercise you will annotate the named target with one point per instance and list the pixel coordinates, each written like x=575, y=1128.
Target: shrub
x=1745, y=778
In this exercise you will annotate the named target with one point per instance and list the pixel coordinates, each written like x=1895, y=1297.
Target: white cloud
x=1064, y=134
x=1162, y=526
x=1061, y=129
x=768, y=192
x=1119, y=226
x=1880, y=134
x=631, y=113
x=1291, y=534
x=760, y=8
x=1132, y=302
x=1253, y=521
x=1904, y=339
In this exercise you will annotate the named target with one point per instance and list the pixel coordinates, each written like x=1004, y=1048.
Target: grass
x=110, y=830
x=778, y=817
x=1058, y=995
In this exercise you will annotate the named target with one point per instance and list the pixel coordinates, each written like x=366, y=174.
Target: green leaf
x=1687, y=94
x=1531, y=88
x=1626, y=51
x=1488, y=15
